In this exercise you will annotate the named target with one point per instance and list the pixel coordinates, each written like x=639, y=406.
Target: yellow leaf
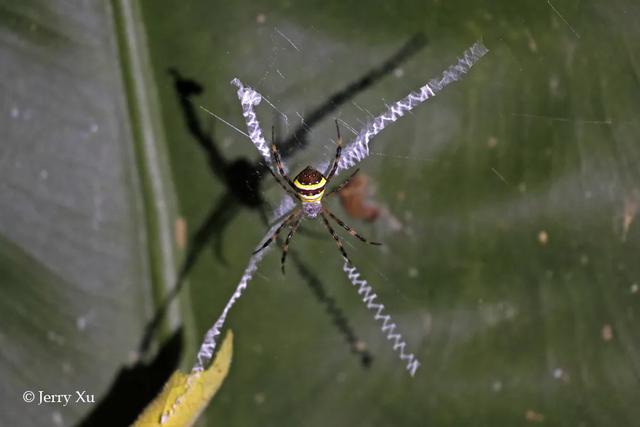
x=185, y=396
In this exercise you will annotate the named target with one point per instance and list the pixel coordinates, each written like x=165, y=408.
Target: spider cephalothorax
x=309, y=188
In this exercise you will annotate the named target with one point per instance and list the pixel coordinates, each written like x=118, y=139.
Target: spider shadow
x=243, y=178
x=135, y=386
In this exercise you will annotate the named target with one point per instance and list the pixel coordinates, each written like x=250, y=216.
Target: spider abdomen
x=310, y=184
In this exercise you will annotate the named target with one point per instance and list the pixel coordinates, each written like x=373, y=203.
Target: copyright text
x=42, y=397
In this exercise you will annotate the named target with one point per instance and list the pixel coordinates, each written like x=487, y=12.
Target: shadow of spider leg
x=242, y=177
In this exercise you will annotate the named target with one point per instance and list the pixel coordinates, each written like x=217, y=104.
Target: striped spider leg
x=293, y=216
x=308, y=188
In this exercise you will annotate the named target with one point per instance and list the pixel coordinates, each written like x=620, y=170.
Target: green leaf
x=81, y=245
x=508, y=207
x=511, y=190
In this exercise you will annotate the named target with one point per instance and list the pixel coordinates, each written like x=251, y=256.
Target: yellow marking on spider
x=315, y=186
x=311, y=199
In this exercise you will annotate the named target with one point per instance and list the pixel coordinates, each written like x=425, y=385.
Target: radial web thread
x=388, y=327
x=205, y=353
x=359, y=148
x=250, y=98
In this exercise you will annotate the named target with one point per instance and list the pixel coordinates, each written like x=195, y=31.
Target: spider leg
x=336, y=238
x=274, y=236
x=285, y=215
x=276, y=157
x=334, y=168
x=285, y=248
x=344, y=183
x=351, y=231
x=284, y=187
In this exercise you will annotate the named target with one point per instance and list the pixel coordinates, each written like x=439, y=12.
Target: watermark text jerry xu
x=41, y=397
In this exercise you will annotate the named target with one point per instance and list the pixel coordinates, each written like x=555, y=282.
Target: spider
x=309, y=187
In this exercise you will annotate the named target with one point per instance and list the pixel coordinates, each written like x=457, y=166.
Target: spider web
x=507, y=206
x=354, y=153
